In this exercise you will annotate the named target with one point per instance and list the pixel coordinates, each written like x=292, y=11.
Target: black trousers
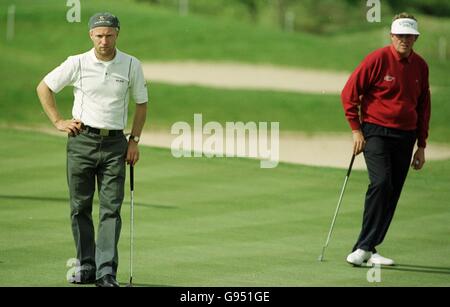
x=388, y=154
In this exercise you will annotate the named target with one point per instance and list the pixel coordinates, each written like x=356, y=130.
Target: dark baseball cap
x=104, y=20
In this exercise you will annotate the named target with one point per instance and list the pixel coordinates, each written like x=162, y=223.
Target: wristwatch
x=135, y=138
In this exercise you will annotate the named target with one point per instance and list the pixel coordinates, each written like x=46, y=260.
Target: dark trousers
x=388, y=154
x=92, y=158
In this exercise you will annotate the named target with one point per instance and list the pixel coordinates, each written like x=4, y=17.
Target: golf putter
x=130, y=284
x=337, y=208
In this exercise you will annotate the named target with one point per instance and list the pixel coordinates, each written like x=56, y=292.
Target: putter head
x=130, y=284
x=321, y=255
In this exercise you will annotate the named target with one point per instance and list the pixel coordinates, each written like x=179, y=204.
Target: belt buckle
x=104, y=132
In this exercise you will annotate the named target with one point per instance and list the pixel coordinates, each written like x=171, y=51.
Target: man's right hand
x=71, y=126
x=358, y=142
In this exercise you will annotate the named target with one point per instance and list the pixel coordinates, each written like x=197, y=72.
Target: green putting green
x=219, y=222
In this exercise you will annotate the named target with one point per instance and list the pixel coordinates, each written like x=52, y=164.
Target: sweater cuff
x=355, y=125
x=421, y=143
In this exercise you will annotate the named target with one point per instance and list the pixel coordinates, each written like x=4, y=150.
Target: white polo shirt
x=101, y=89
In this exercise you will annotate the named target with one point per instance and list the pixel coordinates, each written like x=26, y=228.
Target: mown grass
x=219, y=222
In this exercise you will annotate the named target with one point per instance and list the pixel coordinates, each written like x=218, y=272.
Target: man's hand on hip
x=132, y=153
x=71, y=126
x=358, y=142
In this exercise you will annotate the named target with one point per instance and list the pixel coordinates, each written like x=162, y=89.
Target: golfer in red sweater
x=387, y=103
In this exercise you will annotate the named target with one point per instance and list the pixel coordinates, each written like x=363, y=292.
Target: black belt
x=102, y=132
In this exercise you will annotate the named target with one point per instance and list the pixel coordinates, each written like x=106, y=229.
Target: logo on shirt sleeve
x=389, y=78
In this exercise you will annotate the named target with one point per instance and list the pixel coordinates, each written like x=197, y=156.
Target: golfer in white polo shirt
x=103, y=79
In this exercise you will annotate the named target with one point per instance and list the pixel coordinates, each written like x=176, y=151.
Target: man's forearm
x=140, y=116
x=48, y=102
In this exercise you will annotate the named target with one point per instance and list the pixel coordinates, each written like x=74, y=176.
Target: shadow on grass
x=34, y=198
x=146, y=285
x=412, y=268
x=418, y=268
x=61, y=199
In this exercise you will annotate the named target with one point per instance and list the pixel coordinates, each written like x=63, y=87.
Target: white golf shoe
x=380, y=260
x=358, y=257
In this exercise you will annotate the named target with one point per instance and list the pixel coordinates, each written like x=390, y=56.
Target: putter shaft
x=337, y=209
x=131, y=221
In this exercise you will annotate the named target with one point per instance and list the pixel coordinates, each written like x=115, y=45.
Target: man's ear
x=417, y=37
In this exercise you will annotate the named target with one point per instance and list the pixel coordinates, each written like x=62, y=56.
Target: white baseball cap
x=405, y=26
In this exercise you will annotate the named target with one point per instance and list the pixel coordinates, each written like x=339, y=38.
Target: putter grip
x=351, y=165
x=131, y=177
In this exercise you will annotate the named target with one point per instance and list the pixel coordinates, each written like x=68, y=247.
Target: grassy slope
x=34, y=53
x=307, y=112
x=221, y=222
x=246, y=106
x=152, y=33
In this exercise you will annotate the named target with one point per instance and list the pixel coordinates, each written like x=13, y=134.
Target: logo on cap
x=407, y=24
x=104, y=19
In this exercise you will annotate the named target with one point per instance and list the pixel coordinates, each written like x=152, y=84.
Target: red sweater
x=392, y=92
